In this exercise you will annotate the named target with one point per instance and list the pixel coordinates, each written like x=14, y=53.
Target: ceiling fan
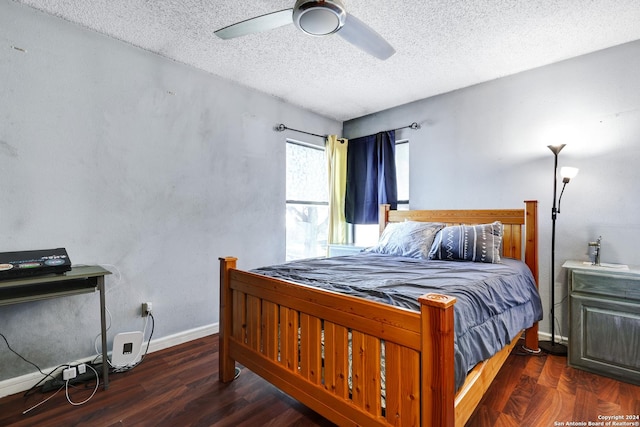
x=316, y=18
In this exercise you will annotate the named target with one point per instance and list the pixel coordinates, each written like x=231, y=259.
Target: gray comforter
x=495, y=301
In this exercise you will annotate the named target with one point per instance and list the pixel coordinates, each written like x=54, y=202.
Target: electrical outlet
x=146, y=309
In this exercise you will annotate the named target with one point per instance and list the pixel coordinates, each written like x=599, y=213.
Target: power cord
x=67, y=383
x=95, y=389
x=44, y=375
x=555, y=319
x=99, y=336
x=50, y=375
x=118, y=278
x=523, y=350
x=45, y=400
x=21, y=357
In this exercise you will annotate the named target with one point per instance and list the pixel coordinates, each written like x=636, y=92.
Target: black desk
x=80, y=280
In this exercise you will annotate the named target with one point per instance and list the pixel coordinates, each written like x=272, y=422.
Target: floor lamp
x=552, y=347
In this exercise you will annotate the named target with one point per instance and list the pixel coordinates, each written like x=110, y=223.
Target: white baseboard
x=183, y=337
x=545, y=336
x=25, y=382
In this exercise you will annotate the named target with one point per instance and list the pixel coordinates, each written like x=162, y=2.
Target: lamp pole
x=552, y=347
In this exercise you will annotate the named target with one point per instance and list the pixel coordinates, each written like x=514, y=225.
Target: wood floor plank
x=179, y=386
x=586, y=405
x=628, y=398
x=505, y=420
x=505, y=383
x=534, y=364
x=545, y=407
x=519, y=398
x=552, y=371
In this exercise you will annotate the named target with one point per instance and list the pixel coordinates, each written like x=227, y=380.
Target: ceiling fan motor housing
x=319, y=18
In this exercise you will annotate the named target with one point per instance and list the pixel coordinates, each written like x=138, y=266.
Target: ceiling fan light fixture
x=319, y=18
x=316, y=18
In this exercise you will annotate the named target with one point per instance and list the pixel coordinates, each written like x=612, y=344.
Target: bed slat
x=337, y=356
x=289, y=338
x=336, y=359
x=240, y=316
x=511, y=239
x=270, y=323
x=253, y=322
x=310, y=344
x=402, y=371
x=365, y=372
x=373, y=397
x=393, y=383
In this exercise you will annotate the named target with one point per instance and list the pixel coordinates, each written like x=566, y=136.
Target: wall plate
x=126, y=349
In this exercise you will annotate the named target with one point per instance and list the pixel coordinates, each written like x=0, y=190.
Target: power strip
x=87, y=376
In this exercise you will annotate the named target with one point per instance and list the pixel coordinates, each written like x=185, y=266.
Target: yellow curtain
x=336, y=150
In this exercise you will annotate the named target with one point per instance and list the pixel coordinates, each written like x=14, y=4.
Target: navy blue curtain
x=371, y=177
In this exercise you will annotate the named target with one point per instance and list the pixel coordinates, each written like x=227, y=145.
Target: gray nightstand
x=604, y=316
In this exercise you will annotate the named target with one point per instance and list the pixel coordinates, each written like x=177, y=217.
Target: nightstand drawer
x=595, y=283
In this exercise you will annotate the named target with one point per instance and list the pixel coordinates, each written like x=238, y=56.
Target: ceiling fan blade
x=364, y=37
x=257, y=24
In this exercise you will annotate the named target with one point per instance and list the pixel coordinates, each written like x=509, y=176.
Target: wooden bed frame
x=297, y=338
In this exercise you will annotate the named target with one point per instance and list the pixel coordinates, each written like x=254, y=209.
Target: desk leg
x=103, y=332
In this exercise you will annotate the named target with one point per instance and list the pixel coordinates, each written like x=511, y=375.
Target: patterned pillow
x=478, y=243
x=408, y=239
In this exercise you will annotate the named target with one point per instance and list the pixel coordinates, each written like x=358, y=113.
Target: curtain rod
x=281, y=128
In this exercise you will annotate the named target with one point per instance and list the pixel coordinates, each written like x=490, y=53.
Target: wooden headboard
x=520, y=235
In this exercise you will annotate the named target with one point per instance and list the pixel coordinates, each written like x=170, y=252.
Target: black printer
x=33, y=263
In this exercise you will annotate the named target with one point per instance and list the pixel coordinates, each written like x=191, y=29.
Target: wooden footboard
x=298, y=338
x=333, y=352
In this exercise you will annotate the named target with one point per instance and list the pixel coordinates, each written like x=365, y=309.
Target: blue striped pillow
x=478, y=243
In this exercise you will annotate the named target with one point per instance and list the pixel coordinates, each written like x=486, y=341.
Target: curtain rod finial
x=281, y=127
x=414, y=125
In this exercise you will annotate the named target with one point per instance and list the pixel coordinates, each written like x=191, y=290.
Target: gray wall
x=486, y=146
x=129, y=160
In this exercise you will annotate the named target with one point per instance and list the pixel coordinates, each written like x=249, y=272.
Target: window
x=307, y=201
x=367, y=234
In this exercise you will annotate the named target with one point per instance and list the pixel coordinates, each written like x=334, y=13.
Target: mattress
x=494, y=301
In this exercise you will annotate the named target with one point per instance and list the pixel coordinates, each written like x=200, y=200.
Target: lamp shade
x=556, y=148
x=568, y=172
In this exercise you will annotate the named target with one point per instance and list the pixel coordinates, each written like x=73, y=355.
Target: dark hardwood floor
x=179, y=387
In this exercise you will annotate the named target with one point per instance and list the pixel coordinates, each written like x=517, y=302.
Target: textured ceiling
x=441, y=45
